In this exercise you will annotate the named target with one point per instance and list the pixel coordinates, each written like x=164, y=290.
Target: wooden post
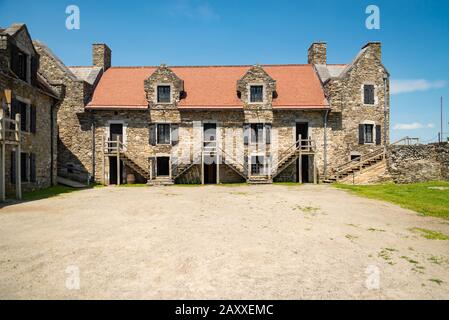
x=103, y=162
x=300, y=168
x=202, y=167
x=2, y=157
x=218, y=167
x=118, y=161
x=314, y=171
x=18, y=161
x=169, y=167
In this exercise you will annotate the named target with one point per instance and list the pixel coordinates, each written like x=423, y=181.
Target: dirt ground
x=216, y=242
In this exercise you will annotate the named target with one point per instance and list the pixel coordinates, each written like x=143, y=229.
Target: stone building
x=217, y=124
x=28, y=146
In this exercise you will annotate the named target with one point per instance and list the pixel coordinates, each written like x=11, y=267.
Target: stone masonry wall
x=418, y=163
x=74, y=124
x=345, y=95
x=38, y=143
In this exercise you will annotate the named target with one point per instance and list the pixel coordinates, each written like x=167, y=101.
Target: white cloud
x=413, y=85
x=194, y=9
x=412, y=126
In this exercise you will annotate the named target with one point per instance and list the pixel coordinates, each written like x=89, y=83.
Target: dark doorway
x=210, y=135
x=163, y=166
x=305, y=177
x=113, y=170
x=116, y=131
x=210, y=173
x=302, y=129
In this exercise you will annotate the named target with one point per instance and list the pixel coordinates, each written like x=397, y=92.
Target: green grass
x=418, y=197
x=430, y=234
x=47, y=193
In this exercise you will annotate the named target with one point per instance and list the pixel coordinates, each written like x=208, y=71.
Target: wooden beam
x=118, y=161
x=2, y=157
x=18, y=161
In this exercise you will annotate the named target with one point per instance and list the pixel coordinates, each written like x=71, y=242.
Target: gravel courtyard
x=241, y=242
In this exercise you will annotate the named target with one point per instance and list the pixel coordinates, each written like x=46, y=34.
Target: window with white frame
x=163, y=133
x=368, y=133
x=257, y=133
x=163, y=94
x=256, y=93
x=257, y=165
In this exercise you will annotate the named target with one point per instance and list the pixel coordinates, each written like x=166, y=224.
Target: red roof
x=298, y=86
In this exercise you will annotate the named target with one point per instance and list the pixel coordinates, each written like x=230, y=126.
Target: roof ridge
x=205, y=66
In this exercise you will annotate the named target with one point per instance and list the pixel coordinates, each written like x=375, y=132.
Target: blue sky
x=414, y=34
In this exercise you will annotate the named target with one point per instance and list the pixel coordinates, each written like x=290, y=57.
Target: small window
x=163, y=134
x=256, y=94
x=368, y=93
x=23, y=117
x=19, y=64
x=163, y=94
x=257, y=165
x=24, y=166
x=369, y=133
x=257, y=133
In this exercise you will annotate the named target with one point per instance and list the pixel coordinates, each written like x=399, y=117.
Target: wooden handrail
x=408, y=141
x=357, y=162
x=234, y=161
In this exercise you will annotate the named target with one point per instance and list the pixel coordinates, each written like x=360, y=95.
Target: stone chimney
x=101, y=56
x=317, y=53
x=376, y=49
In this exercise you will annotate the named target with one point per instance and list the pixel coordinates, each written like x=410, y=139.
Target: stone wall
x=418, y=163
x=345, y=94
x=39, y=143
x=75, y=141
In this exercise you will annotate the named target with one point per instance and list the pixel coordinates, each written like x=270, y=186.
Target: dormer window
x=256, y=94
x=163, y=94
x=19, y=64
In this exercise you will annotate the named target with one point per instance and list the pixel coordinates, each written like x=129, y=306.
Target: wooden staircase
x=118, y=149
x=366, y=161
x=134, y=166
x=289, y=156
x=359, y=164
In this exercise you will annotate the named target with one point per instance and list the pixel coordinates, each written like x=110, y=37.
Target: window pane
x=368, y=94
x=163, y=94
x=256, y=94
x=257, y=165
x=163, y=134
x=257, y=132
x=369, y=133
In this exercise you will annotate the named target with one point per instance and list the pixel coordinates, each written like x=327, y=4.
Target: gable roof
x=207, y=87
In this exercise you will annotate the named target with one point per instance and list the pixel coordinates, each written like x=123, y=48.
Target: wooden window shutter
x=13, y=167
x=23, y=116
x=34, y=70
x=153, y=134
x=246, y=132
x=361, y=134
x=174, y=134
x=378, y=135
x=33, y=167
x=33, y=119
x=268, y=133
